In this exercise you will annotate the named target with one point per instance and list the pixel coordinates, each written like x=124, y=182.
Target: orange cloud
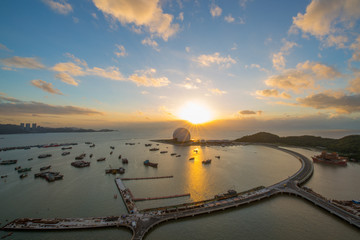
x=145, y=78
x=208, y=60
x=60, y=6
x=272, y=93
x=45, y=86
x=147, y=14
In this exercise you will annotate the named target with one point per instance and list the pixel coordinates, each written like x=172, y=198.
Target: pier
x=141, y=221
x=145, y=178
x=163, y=197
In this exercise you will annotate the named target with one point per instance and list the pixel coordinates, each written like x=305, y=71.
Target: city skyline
x=105, y=63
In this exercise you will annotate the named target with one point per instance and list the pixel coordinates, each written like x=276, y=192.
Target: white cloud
x=22, y=62
x=229, y=18
x=278, y=60
x=45, y=86
x=152, y=43
x=145, y=78
x=217, y=91
x=215, y=10
x=146, y=14
x=181, y=16
x=60, y=6
x=120, y=52
x=208, y=60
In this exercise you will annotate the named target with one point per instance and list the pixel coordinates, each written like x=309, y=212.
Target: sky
x=106, y=63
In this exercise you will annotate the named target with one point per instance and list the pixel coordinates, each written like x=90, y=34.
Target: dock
x=145, y=178
x=126, y=196
x=163, y=197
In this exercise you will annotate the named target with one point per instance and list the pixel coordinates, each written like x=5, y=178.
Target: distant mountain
x=13, y=129
x=347, y=146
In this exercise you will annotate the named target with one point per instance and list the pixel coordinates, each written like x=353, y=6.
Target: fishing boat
x=8, y=162
x=17, y=168
x=148, y=163
x=64, y=148
x=125, y=160
x=24, y=175
x=173, y=154
x=154, y=149
x=80, y=157
x=101, y=159
x=330, y=158
x=119, y=170
x=218, y=157
x=44, y=155
x=120, y=156
x=65, y=153
x=80, y=164
x=91, y=155
x=24, y=170
x=30, y=159
x=208, y=161
x=162, y=152
x=45, y=168
x=192, y=158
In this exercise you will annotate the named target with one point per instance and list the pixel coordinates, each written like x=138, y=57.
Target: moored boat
x=45, y=168
x=81, y=156
x=330, y=158
x=154, y=149
x=192, y=158
x=101, y=159
x=8, y=162
x=208, y=161
x=163, y=152
x=148, y=163
x=44, y=155
x=173, y=154
x=119, y=170
x=125, y=160
x=24, y=170
x=23, y=175
x=80, y=164
x=65, y=153
x=64, y=148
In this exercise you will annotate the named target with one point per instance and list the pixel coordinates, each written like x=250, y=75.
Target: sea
x=89, y=192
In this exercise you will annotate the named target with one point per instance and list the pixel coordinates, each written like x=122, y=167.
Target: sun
x=195, y=112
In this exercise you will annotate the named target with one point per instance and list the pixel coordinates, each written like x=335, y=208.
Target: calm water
x=89, y=192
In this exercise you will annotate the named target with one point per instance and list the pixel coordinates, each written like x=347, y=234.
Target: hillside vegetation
x=346, y=146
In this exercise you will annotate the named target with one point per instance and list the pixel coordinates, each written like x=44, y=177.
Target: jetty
x=163, y=197
x=145, y=178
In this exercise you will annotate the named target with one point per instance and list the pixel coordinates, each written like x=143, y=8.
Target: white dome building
x=181, y=135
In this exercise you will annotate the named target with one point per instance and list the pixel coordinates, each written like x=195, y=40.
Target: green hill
x=347, y=146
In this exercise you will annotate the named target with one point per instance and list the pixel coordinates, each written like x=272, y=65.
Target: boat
x=218, y=157
x=120, y=156
x=4, y=176
x=65, y=153
x=148, y=163
x=125, y=160
x=148, y=144
x=80, y=157
x=196, y=150
x=228, y=194
x=17, y=168
x=101, y=159
x=45, y=168
x=88, y=142
x=111, y=152
x=44, y=155
x=119, y=170
x=163, y=152
x=30, y=159
x=91, y=155
x=192, y=158
x=23, y=175
x=64, y=148
x=80, y=164
x=92, y=145
x=330, y=158
x=112, y=147
x=208, y=161
x=178, y=155
x=173, y=154
x=8, y=162
x=154, y=149
x=24, y=170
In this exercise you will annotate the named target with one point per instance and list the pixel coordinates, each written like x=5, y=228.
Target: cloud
x=332, y=100
x=4, y=48
x=187, y=49
x=152, y=43
x=22, y=62
x=12, y=106
x=67, y=70
x=45, y=86
x=181, y=16
x=4, y=97
x=354, y=85
x=60, y=6
x=217, y=91
x=356, y=47
x=208, y=60
x=322, y=15
x=146, y=14
x=229, y=18
x=278, y=60
x=94, y=15
x=145, y=78
x=215, y=10
x=272, y=93
x=120, y=52
x=66, y=78
x=303, y=77
x=250, y=112
x=243, y=3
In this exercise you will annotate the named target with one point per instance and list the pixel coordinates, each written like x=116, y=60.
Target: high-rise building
x=33, y=126
x=27, y=127
x=22, y=125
